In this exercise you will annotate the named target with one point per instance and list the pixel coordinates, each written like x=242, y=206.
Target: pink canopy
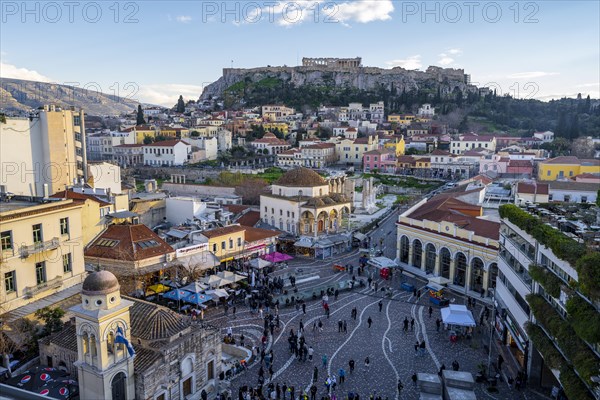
x=276, y=257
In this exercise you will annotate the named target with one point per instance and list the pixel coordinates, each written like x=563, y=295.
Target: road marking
x=387, y=314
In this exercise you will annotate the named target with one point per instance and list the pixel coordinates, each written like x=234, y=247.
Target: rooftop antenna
x=231, y=63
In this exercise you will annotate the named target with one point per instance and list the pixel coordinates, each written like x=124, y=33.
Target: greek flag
x=120, y=338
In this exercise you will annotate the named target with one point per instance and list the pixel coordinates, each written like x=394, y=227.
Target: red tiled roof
x=223, y=231
x=484, y=179
x=251, y=218
x=235, y=208
x=438, y=152
x=320, y=146
x=362, y=140
x=128, y=243
x=79, y=196
x=253, y=234
x=532, y=188
x=520, y=163
x=129, y=145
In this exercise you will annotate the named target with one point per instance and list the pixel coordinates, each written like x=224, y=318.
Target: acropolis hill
x=344, y=72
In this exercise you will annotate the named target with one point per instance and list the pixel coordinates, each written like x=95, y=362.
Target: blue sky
x=543, y=49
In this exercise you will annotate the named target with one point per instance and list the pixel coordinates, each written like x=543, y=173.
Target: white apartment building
x=128, y=155
x=545, y=137
x=426, y=111
x=270, y=143
x=472, y=141
x=46, y=151
x=101, y=145
x=275, y=112
x=223, y=136
x=208, y=147
x=167, y=153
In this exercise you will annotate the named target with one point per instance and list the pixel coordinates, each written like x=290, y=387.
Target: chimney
x=46, y=191
x=46, y=108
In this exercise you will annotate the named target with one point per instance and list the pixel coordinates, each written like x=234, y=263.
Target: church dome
x=100, y=282
x=302, y=177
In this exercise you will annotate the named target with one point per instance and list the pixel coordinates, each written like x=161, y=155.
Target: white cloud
x=447, y=57
x=548, y=97
x=445, y=60
x=364, y=11
x=14, y=72
x=167, y=94
x=534, y=74
x=184, y=19
x=455, y=52
x=584, y=85
x=412, y=62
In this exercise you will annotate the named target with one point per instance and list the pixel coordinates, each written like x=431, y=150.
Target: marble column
x=452, y=269
x=436, y=270
x=423, y=259
x=410, y=254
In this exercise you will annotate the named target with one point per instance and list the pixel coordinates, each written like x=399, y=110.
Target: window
x=288, y=213
x=293, y=216
x=37, y=233
x=272, y=211
x=266, y=210
x=239, y=242
x=584, y=199
x=9, y=281
x=67, y=263
x=223, y=246
x=40, y=272
x=231, y=243
x=281, y=212
x=548, y=173
x=6, y=240
x=64, y=226
x=214, y=247
x=567, y=198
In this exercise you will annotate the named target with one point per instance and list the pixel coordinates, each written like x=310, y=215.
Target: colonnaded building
x=302, y=202
x=449, y=237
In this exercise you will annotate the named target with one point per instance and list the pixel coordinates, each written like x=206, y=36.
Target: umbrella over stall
x=195, y=287
x=197, y=298
x=177, y=294
x=36, y=379
x=277, y=257
x=158, y=288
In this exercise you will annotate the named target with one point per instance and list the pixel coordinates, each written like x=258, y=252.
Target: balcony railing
x=526, y=250
x=519, y=269
x=54, y=283
x=39, y=247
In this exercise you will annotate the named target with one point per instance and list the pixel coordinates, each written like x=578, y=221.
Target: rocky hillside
x=20, y=95
x=251, y=86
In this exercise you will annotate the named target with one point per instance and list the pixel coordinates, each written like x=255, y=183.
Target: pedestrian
x=455, y=365
x=400, y=386
x=367, y=364
x=351, y=365
x=405, y=324
x=345, y=327
x=342, y=374
x=422, y=346
x=412, y=324
x=303, y=308
x=242, y=338
x=414, y=378
x=441, y=371
x=311, y=351
x=313, y=392
x=380, y=304
x=500, y=361
x=418, y=294
x=415, y=293
x=340, y=325
x=233, y=310
x=315, y=374
x=430, y=311
x=324, y=360
x=438, y=323
x=369, y=322
x=260, y=313
x=417, y=348
x=320, y=325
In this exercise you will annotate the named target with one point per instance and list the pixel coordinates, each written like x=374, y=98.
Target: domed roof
x=100, y=282
x=302, y=177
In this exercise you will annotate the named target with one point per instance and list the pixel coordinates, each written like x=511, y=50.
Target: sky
x=154, y=51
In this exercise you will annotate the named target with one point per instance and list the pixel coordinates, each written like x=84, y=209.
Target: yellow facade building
x=281, y=126
x=397, y=144
x=42, y=251
x=566, y=167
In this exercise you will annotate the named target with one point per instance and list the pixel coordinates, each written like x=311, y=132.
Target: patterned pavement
x=390, y=350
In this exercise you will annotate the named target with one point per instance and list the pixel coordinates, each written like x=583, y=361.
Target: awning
x=303, y=242
x=382, y=262
x=122, y=214
x=259, y=263
x=360, y=236
x=176, y=233
x=457, y=314
x=199, y=261
x=435, y=286
x=439, y=280
x=338, y=239
x=323, y=244
x=276, y=257
x=218, y=293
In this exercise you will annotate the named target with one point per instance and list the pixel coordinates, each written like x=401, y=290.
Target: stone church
x=123, y=348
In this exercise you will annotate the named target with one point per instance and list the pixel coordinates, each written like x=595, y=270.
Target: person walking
x=313, y=392
x=430, y=311
x=369, y=322
x=438, y=323
x=441, y=371
x=414, y=378
x=405, y=324
x=316, y=374
x=340, y=326
x=351, y=365
x=423, y=347
x=303, y=308
x=324, y=360
x=500, y=361
x=417, y=348
x=320, y=325
x=380, y=304
x=342, y=375
x=367, y=364
x=400, y=387
x=311, y=351
x=345, y=327
x=455, y=365
x=412, y=324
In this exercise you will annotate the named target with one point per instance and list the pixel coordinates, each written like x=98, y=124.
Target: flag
x=120, y=338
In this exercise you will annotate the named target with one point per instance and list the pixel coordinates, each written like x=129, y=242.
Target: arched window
x=85, y=341
x=93, y=349
x=110, y=342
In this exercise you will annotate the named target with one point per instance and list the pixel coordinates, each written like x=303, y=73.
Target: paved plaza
x=391, y=350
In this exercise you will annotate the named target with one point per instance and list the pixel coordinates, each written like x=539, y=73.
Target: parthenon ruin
x=332, y=62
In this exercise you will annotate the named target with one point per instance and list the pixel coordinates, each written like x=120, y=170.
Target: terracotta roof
x=563, y=160
x=150, y=321
x=532, y=188
x=235, y=208
x=253, y=234
x=483, y=179
x=575, y=186
x=128, y=243
x=520, y=163
x=362, y=140
x=438, y=152
x=446, y=208
x=129, y=145
x=301, y=177
x=320, y=146
x=251, y=218
x=66, y=338
x=167, y=143
x=79, y=196
x=144, y=358
x=270, y=138
x=139, y=128
x=226, y=230
x=290, y=152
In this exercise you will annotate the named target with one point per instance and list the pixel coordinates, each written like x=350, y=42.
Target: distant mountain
x=21, y=95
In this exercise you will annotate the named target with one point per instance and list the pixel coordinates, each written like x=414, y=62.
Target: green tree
x=148, y=139
x=52, y=318
x=140, y=116
x=464, y=125
x=180, y=105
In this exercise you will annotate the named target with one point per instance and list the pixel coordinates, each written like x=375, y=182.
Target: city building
x=303, y=202
x=270, y=143
x=124, y=348
x=167, y=153
x=565, y=167
x=546, y=298
x=42, y=252
x=350, y=152
x=472, y=141
x=141, y=132
x=129, y=155
x=290, y=158
x=446, y=236
x=51, y=152
x=380, y=160
x=545, y=137
x=276, y=113
x=100, y=146
x=426, y=111
x=318, y=155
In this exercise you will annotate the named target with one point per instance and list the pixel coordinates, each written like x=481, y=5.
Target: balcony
x=39, y=247
x=54, y=283
x=520, y=270
x=524, y=248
